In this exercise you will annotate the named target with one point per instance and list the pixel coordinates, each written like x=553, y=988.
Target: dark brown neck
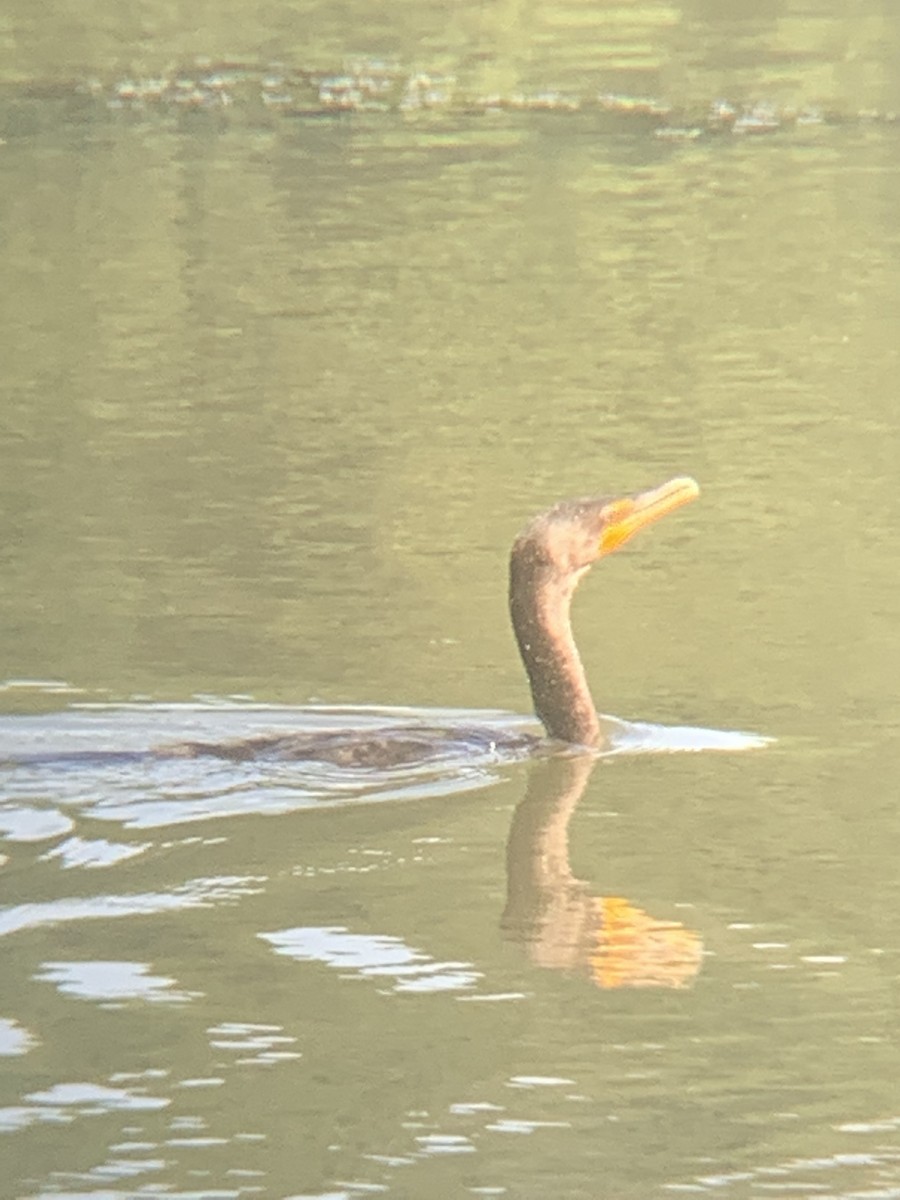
x=539, y=603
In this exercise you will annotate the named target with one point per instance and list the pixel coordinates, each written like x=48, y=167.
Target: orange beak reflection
x=625, y=517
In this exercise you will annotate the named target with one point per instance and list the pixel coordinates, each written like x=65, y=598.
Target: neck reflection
x=562, y=924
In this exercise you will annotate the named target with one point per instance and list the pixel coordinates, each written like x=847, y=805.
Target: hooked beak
x=623, y=518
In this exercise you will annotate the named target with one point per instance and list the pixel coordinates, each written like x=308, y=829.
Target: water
x=277, y=393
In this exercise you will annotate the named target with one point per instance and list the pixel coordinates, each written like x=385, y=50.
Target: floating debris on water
x=639, y=106
x=367, y=85
x=428, y=91
x=760, y=118
x=678, y=133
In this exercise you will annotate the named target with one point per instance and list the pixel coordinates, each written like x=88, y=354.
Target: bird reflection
x=560, y=922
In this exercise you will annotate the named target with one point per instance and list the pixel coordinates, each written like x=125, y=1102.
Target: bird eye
x=618, y=511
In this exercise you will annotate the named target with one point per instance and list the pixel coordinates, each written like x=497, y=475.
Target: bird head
x=574, y=534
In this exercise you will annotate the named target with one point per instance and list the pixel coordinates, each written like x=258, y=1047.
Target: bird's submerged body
x=392, y=747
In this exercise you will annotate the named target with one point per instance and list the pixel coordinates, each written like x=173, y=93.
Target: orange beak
x=625, y=517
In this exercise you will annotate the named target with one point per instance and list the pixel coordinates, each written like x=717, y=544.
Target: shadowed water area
x=306, y=311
